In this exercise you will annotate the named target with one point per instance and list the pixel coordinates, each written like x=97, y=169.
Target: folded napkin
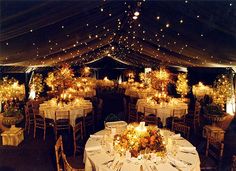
x=176, y=136
x=93, y=146
x=176, y=162
x=96, y=136
x=187, y=149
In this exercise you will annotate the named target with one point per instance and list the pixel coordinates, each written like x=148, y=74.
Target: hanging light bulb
x=135, y=17
x=136, y=13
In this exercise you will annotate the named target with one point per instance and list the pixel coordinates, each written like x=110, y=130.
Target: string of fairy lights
x=126, y=26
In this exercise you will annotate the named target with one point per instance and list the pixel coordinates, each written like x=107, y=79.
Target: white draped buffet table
x=76, y=109
x=95, y=155
x=163, y=111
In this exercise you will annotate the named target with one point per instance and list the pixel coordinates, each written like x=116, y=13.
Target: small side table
x=213, y=132
x=14, y=136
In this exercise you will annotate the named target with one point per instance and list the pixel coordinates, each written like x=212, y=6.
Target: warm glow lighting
x=136, y=13
x=141, y=128
x=135, y=17
x=105, y=79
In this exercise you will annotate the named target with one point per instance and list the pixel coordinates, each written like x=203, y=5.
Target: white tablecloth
x=76, y=110
x=94, y=159
x=163, y=111
x=140, y=93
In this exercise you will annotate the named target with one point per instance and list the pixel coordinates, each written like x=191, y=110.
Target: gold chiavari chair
x=193, y=119
x=132, y=113
x=150, y=116
x=178, y=116
x=214, y=148
x=29, y=118
x=180, y=128
x=58, y=152
x=39, y=122
x=88, y=119
x=213, y=155
x=62, y=121
x=77, y=135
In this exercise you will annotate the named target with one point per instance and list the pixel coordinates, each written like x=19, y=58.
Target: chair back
x=133, y=100
x=197, y=110
x=179, y=112
x=148, y=111
x=37, y=113
x=215, y=149
x=77, y=134
x=178, y=127
x=132, y=108
x=62, y=114
x=62, y=119
x=58, y=152
x=26, y=111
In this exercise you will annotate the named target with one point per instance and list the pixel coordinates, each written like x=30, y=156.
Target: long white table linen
x=94, y=159
x=163, y=111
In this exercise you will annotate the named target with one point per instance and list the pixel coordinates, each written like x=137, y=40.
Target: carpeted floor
x=38, y=155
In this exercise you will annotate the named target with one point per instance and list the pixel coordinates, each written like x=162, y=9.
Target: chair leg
x=34, y=130
x=55, y=132
x=28, y=128
x=44, y=133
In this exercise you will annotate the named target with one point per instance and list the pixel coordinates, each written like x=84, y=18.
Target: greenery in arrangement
x=12, y=116
x=111, y=118
x=11, y=112
x=213, y=109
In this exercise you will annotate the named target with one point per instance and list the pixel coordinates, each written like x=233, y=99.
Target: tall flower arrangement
x=61, y=79
x=160, y=79
x=36, y=84
x=11, y=89
x=222, y=90
x=182, y=84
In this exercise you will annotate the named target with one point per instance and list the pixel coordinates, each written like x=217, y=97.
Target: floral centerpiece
x=139, y=139
x=12, y=116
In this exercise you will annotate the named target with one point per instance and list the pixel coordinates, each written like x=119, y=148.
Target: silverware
x=173, y=165
x=120, y=166
x=116, y=164
x=185, y=162
x=188, y=152
x=105, y=163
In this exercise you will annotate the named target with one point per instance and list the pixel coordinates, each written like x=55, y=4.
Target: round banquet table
x=76, y=110
x=95, y=155
x=162, y=111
